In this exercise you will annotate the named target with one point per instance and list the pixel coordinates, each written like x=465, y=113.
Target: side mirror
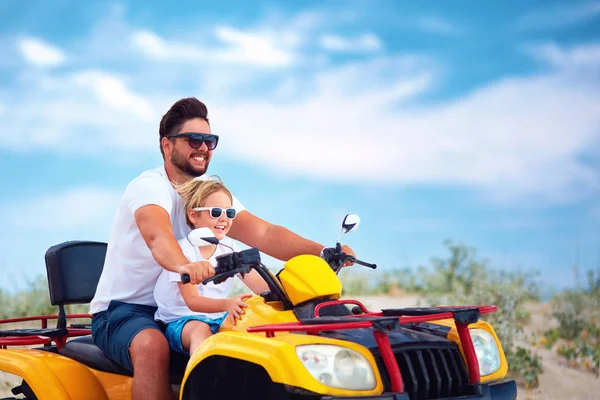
x=350, y=223
x=202, y=237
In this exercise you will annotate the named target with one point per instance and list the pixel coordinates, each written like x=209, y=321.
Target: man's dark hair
x=180, y=112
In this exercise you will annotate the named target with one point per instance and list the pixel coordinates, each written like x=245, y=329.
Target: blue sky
x=479, y=123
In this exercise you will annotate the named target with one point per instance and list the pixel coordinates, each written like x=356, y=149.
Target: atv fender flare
x=52, y=376
x=277, y=356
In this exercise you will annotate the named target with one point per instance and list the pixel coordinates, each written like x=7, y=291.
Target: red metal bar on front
x=336, y=302
x=300, y=327
x=469, y=350
x=382, y=339
x=389, y=361
x=430, y=317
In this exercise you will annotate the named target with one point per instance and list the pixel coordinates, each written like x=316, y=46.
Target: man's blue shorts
x=175, y=328
x=114, y=329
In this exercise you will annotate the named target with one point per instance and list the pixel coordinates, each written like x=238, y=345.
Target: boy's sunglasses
x=196, y=139
x=216, y=212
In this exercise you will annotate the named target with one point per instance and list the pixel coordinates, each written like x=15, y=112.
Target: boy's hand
x=235, y=307
x=198, y=271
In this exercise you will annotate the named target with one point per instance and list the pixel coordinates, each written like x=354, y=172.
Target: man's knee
x=149, y=343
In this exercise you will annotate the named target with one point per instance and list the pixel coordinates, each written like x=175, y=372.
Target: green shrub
x=35, y=300
x=578, y=333
x=464, y=279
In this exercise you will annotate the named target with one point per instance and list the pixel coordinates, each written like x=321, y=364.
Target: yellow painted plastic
x=116, y=387
x=453, y=336
x=259, y=312
x=308, y=277
x=51, y=376
x=278, y=357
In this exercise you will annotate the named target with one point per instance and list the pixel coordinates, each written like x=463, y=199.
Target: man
x=143, y=240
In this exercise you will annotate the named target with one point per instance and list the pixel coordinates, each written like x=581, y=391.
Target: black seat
x=73, y=270
x=84, y=350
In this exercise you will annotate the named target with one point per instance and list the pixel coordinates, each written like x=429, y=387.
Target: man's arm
x=154, y=224
x=274, y=240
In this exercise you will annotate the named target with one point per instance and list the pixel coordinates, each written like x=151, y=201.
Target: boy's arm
x=198, y=303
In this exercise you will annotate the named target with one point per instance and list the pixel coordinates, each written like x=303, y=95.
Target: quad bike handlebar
x=336, y=258
x=231, y=264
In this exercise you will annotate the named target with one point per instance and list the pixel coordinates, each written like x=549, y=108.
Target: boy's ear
x=191, y=215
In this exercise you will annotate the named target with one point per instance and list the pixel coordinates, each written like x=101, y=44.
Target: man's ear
x=166, y=145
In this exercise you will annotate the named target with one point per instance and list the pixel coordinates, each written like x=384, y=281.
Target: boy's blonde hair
x=195, y=191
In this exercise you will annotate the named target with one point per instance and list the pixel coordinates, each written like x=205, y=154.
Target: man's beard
x=186, y=167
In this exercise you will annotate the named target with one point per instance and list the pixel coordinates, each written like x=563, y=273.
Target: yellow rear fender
x=52, y=376
x=277, y=356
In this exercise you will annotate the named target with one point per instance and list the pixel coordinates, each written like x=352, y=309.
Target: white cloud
x=586, y=55
x=263, y=49
x=40, y=53
x=365, y=42
x=559, y=16
x=74, y=208
x=516, y=138
x=112, y=92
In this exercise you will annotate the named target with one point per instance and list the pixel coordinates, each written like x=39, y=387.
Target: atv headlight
x=337, y=366
x=486, y=350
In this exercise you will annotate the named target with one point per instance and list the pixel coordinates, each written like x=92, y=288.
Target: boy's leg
x=128, y=334
x=193, y=334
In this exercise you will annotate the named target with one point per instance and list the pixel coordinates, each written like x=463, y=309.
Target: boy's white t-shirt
x=130, y=272
x=170, y=302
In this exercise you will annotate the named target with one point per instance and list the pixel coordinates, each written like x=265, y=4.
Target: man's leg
x=129, y=335
x=149, y=352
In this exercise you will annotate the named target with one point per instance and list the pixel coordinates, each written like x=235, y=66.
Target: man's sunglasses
x=216, y=212
x=196, y=139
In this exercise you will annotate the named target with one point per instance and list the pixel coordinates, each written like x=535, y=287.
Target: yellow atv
x=298, y=340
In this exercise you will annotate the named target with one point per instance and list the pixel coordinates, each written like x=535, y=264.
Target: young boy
x=195, y=312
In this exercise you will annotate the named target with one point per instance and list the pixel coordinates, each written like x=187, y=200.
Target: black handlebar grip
x=374, y=266
x=185, y=278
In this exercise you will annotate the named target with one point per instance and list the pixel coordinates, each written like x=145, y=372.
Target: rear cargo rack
x=43, y=335
x=386, y=321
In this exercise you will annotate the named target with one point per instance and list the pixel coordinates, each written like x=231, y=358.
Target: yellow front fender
x=278, y=357
x=52, y=376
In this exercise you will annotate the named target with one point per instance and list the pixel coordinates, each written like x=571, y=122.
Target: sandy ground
x=557, y=381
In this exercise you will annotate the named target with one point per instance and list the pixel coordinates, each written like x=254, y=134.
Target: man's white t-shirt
x=130, y=272
x=170, y=302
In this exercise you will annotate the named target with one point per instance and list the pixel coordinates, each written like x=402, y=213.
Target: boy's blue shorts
x=175, y=328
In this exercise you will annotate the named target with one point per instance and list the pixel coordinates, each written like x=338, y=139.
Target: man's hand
x=198, y=271
x=348, y=252
x=235, y=307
